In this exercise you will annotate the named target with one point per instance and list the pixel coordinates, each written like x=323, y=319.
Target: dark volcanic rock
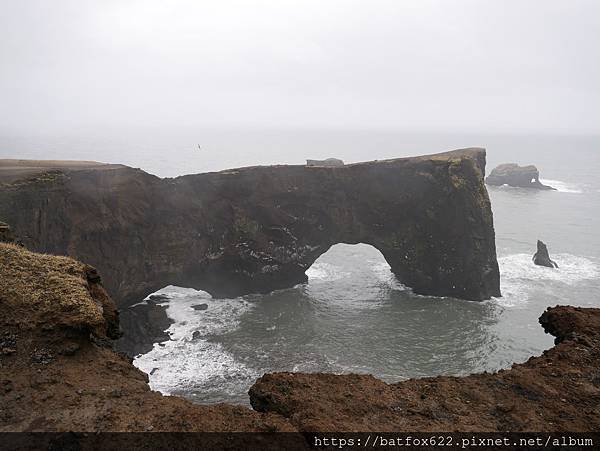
x=158, y=298
x=200, y=307
x=512, y=174
x=257, y=229
x=542, y=258
x=145, y=324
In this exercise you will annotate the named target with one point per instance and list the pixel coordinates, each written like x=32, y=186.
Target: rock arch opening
x=358, y=264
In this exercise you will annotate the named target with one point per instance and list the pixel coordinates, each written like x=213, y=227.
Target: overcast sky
x=460, y=65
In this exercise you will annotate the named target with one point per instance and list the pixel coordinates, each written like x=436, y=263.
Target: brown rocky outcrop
x=257, y=229
x=512, y=174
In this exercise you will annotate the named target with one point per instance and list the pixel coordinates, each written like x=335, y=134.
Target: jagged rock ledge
x=58, y=372
x=257, y=229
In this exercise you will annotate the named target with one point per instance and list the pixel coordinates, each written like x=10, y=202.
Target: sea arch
x=260, y=228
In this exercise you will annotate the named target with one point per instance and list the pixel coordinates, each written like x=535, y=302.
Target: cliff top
x=14, y=169
x=46, y=289
x=475, y=153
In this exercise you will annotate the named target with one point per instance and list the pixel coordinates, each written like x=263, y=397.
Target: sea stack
x=542, y=258
x=512, y=174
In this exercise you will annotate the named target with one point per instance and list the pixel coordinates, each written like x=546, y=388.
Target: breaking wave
x=190, y=362
x=325, y=272
x=562, y=187
x=519, y=276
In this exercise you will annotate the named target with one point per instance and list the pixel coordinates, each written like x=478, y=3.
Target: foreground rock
x=512, y=174
x=558, y=391
x=58, y=372
x=542, y=257
x=260, y=228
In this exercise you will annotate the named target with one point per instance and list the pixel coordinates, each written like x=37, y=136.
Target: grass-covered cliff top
x=38, y=289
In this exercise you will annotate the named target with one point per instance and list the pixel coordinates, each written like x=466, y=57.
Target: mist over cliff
x=415, y=65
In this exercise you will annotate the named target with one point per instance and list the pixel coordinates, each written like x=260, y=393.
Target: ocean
x=353, y=316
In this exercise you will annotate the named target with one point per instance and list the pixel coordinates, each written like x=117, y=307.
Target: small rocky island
x=512, y=174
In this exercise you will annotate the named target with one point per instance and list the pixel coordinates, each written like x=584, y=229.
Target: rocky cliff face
x=260, y=228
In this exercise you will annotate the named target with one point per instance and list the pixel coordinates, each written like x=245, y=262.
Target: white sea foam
x=571, y=268
x=326, y=272
x=519, y=276
x=384, y=273
x=562, y=187
x=188, y=361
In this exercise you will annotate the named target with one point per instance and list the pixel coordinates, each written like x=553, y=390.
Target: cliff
x=58, y=372
x=257, y=229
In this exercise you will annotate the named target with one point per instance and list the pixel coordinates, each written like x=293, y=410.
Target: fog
x=463, y=65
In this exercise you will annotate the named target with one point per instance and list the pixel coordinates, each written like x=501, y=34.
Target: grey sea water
x=353, y=315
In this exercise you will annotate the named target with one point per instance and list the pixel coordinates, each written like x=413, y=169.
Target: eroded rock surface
x=512, y=174
x=260, y=228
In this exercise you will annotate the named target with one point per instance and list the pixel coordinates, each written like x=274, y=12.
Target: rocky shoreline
x=58, y=368
x=146, y=323
x=59, y=372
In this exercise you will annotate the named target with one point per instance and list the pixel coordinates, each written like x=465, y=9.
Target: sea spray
x=190, y=361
